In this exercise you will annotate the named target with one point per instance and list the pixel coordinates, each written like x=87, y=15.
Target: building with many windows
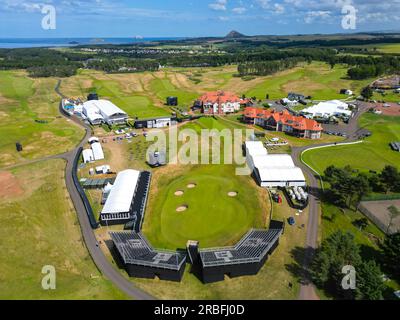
x=283, y=121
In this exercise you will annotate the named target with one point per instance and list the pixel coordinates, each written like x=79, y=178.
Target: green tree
x=367, y=93
x=336, y=252
x=369, y=284
x=390, y=178
x=391, y=254
x=360, y=187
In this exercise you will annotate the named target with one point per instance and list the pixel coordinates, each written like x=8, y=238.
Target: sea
x=14, y=43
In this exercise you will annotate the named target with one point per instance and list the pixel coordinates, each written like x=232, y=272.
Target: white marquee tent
x=122, y=192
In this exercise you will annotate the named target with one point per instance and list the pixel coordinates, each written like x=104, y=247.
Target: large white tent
x=328, y=109
x=92, y=113
x=108, y=111
x=122, y=192
x=273, y=170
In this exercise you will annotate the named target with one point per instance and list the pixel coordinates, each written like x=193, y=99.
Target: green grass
x=213, y=218
x=136, y=105
x=37, y=230
x=388, y=48
x=163, y=88
x=373, y=154
x=389, y=96
x=316, y=79
x=24, y=101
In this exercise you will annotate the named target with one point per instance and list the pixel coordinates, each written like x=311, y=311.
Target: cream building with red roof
x=283, y=121
x=220, y=102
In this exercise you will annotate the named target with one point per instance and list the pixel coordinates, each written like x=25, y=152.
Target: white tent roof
x=106, y=107
x=273, y=161
x=329, y=108
x=97, y=151
x=92, y=112
x=122, y=193
x=255, y=148
x=281, y=174
x=87, y=155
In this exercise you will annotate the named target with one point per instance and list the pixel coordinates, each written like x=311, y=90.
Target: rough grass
x=316, y=79
x=28, y=100
x=37, y=230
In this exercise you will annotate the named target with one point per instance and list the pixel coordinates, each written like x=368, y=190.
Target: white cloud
x=313, y=16
x=278, y=8
x=239, y=10
x=218, y=5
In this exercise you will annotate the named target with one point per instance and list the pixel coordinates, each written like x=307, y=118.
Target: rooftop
x=122, y=193
x=135, y=249
x=251, y=248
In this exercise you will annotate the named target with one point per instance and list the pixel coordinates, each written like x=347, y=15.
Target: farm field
x=22, y=101
x=38, y=230
x=211, y=216
x=373, y=154
x=387, y=48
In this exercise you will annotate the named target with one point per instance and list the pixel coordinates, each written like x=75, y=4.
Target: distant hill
x=234, y=34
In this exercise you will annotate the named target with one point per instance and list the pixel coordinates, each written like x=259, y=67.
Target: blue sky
x=192, y=18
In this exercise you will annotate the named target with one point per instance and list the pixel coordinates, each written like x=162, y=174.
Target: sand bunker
x=10, y=186
x=232, y=194
x=191, y=185
x=179, y=193
x=182, y=208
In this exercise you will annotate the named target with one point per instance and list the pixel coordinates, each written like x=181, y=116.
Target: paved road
x=307, y=289
x=102, y=263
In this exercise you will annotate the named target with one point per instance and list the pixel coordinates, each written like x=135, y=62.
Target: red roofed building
x=220, y=102
x=283, y=121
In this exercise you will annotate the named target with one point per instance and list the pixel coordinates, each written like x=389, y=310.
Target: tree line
x=362, y=278
x=347, y=188
x=267, y=67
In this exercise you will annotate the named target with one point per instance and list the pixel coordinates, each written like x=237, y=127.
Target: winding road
x=99, y=258
x=352, y=130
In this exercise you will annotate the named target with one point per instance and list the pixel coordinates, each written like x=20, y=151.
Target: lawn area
x=163, y=88
x=388, y=48
x=37, y=230
x=389, y=96
x=373, y=154
x=316, y=79
x=22, y=101
x=212, y=217
x=136, y=105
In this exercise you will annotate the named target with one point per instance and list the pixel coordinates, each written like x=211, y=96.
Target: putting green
x=212, y=216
